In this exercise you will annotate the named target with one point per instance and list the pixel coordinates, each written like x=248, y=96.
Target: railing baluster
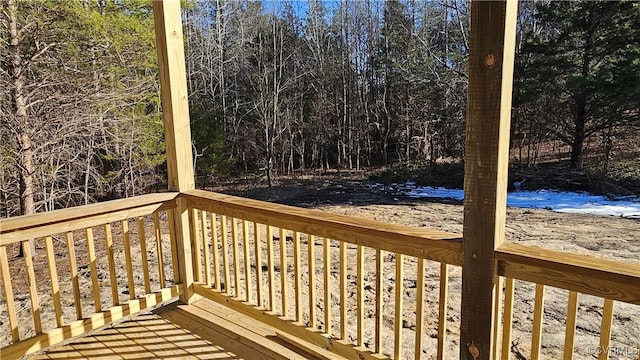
x=108, y=237
x=247, y=260
x=507, y=318
x=298, y=279
x=379, y=299
x=158, y=236
x=311, y=263
x=225, y=254
x=397, y=341
x=205, y=248
x=93, y=267
x=216, y=255
x=53, y=276
x=327, y=285
x=174, y=245
x=127, y=257
x=538, y=314
x=8, y=293
x=497, y=317
x=570, y=328
x=283, y=271
x=33, y=288
x=195, y=245
x=73, y=266
x=442, y=311
x=419, y=307
x=270, y=264
x=605, y=329
x=258, y=250
x=236, y=257
x=360, y=295
x=343, y=290
x=142, y=237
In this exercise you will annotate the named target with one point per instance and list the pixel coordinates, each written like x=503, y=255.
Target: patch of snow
x=560, y=201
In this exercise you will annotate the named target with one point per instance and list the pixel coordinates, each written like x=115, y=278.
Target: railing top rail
x=429, y=244
x=80, y=212
x=588, y=275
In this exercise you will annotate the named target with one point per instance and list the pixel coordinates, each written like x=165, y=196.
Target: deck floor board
x=202, y=330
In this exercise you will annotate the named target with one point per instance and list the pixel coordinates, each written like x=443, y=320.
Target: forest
x=284, y=87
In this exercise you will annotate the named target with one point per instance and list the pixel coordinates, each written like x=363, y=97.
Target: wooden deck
x=203, y=330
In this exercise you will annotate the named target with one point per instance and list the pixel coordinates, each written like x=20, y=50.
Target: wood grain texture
x=326, y=267
x=605, y=329
x=248, y=284
x=175, y=102
x=53, y=277
x=142, y=237
x=195, y=244
x=205, y=247
x=33, y=288
x=311, y=262
x=343, y=290
x=538, y=313
x=360, y=294
x=257, y=243
x=443, y=300
x=113, y=277
x=183, y=249
x=225, y=254
x=89, y=220
x=127, y=258
x=428, y=244
x=293, y=328
x=570, y=328
x=491, y=58
x=236, y=257
x=8, y=293
x=507, y=319
x=216, y=253
x=93, y=268
x=497, y=318
x=79, y=327
x=270, y=265
x=379, y=300
x=297, y=267
x=399, y=306
x=284, y=292
x=173, y=243
x=160, y=259
x=80, y=212
x=419, y=309
x=584, y=274
x=73, y=269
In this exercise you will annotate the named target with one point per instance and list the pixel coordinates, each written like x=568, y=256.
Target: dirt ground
x=347, y=193
x=606, y=237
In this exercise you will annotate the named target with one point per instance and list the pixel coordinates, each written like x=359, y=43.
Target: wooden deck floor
x=203, y=330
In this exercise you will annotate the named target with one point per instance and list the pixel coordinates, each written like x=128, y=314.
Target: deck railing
x=321, y=277
x=97, y=249
x=603, y=282
x=363, y=289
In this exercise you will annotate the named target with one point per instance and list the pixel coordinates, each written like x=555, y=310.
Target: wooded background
x=280, y=87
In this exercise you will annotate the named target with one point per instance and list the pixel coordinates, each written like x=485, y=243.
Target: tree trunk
x=27, y=203
x=579, y=133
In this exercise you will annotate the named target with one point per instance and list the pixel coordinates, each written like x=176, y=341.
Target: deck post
x=177, y=132
x=493, y=30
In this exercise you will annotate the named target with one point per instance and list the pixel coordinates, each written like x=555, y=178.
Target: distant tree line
x=79, y=108
x=281, y=86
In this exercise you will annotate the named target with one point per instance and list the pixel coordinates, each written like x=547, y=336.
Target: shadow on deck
x=202, y=330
